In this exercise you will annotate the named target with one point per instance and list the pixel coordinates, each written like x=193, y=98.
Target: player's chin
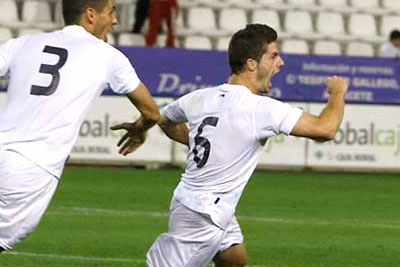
x=267, y=88
x=265, y=91
x=104, y=37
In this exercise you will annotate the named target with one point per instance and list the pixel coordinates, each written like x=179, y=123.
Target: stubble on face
x=268, y=67
x=106, y=20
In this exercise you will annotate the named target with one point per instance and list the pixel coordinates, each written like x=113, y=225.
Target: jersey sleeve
x=273, y=117
x=123, y=78
x=8, y=50
x=175, y=111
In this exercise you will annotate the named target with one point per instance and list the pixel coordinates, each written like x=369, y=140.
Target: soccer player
x=54, y=79
x=228, y=127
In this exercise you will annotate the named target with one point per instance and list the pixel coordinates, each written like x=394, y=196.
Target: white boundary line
x=72, y=257
x=126, y=213
x=82, y=258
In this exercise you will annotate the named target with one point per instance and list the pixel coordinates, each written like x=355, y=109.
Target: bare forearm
x=145, y=123
x=324, y=126
x=148, y=109
x=178, y=133
x=332, y=115
x=175, y=131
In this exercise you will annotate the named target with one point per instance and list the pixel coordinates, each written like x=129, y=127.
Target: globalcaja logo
x=370, y=135
x=99, y=127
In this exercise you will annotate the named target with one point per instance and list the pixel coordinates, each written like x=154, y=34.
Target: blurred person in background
x=228, y=128
x=141, y=14
x=391, y=49
x=54, y=78
x=162, y=10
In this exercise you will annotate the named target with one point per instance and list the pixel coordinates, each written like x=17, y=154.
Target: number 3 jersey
x=228, y=127
x=54, y=78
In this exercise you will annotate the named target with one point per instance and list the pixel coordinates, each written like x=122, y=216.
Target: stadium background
x=109, y=216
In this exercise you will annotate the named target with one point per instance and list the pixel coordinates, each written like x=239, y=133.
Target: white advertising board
x=369, y=138
x=97, y=143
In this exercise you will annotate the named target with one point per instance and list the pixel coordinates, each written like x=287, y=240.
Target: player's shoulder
x=12, y=46
x=16, y=41
x=113, y=53
x=265, y=98
x=41, y=35
x=202, y=92
x=270, y=101
x=110, y=48
x=266, y=103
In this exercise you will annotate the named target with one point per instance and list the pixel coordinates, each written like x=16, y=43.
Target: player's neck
x=88, y=28
x=246, y=80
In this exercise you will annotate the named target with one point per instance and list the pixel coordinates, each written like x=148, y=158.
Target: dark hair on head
x=73, y=9
x=395, y=34
x=249, y=42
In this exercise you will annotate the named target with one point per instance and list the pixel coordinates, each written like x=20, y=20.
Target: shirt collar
x=78, y=30
x=228, y=87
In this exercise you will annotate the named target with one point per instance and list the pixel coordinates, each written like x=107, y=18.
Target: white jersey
x=54, y=78
x=228, y=126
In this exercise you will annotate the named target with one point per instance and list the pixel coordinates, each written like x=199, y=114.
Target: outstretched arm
x=143, y=101
x=150, y=114
x=325, y=126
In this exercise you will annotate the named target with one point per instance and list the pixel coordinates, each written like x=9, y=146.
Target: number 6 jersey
x=229, y=126
x=54, y=78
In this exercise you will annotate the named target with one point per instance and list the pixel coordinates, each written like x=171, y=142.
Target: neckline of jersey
x=79, y=31
x=228, y=87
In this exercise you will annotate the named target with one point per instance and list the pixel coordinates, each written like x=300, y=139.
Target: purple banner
x=371, y=80
x=174, y=72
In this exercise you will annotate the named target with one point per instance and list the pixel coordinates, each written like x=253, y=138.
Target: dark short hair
x=395, y=34
x=73, y=9
x=249, y=42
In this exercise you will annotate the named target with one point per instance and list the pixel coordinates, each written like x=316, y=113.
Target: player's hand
x=337, y=85
x=131, y=140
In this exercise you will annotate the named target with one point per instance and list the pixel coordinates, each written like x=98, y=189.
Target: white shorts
x=192, y=239
x=25, y=193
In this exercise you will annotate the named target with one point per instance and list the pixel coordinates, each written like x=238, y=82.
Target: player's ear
x=251, y=64
x=90, y=15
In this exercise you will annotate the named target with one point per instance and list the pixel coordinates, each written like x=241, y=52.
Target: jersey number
x=203, y=142
x=53, y=70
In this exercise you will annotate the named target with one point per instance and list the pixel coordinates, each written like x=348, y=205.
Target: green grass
x=110, y=216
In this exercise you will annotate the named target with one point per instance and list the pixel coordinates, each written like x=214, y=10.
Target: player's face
x=269, y=65
x=105, y=20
